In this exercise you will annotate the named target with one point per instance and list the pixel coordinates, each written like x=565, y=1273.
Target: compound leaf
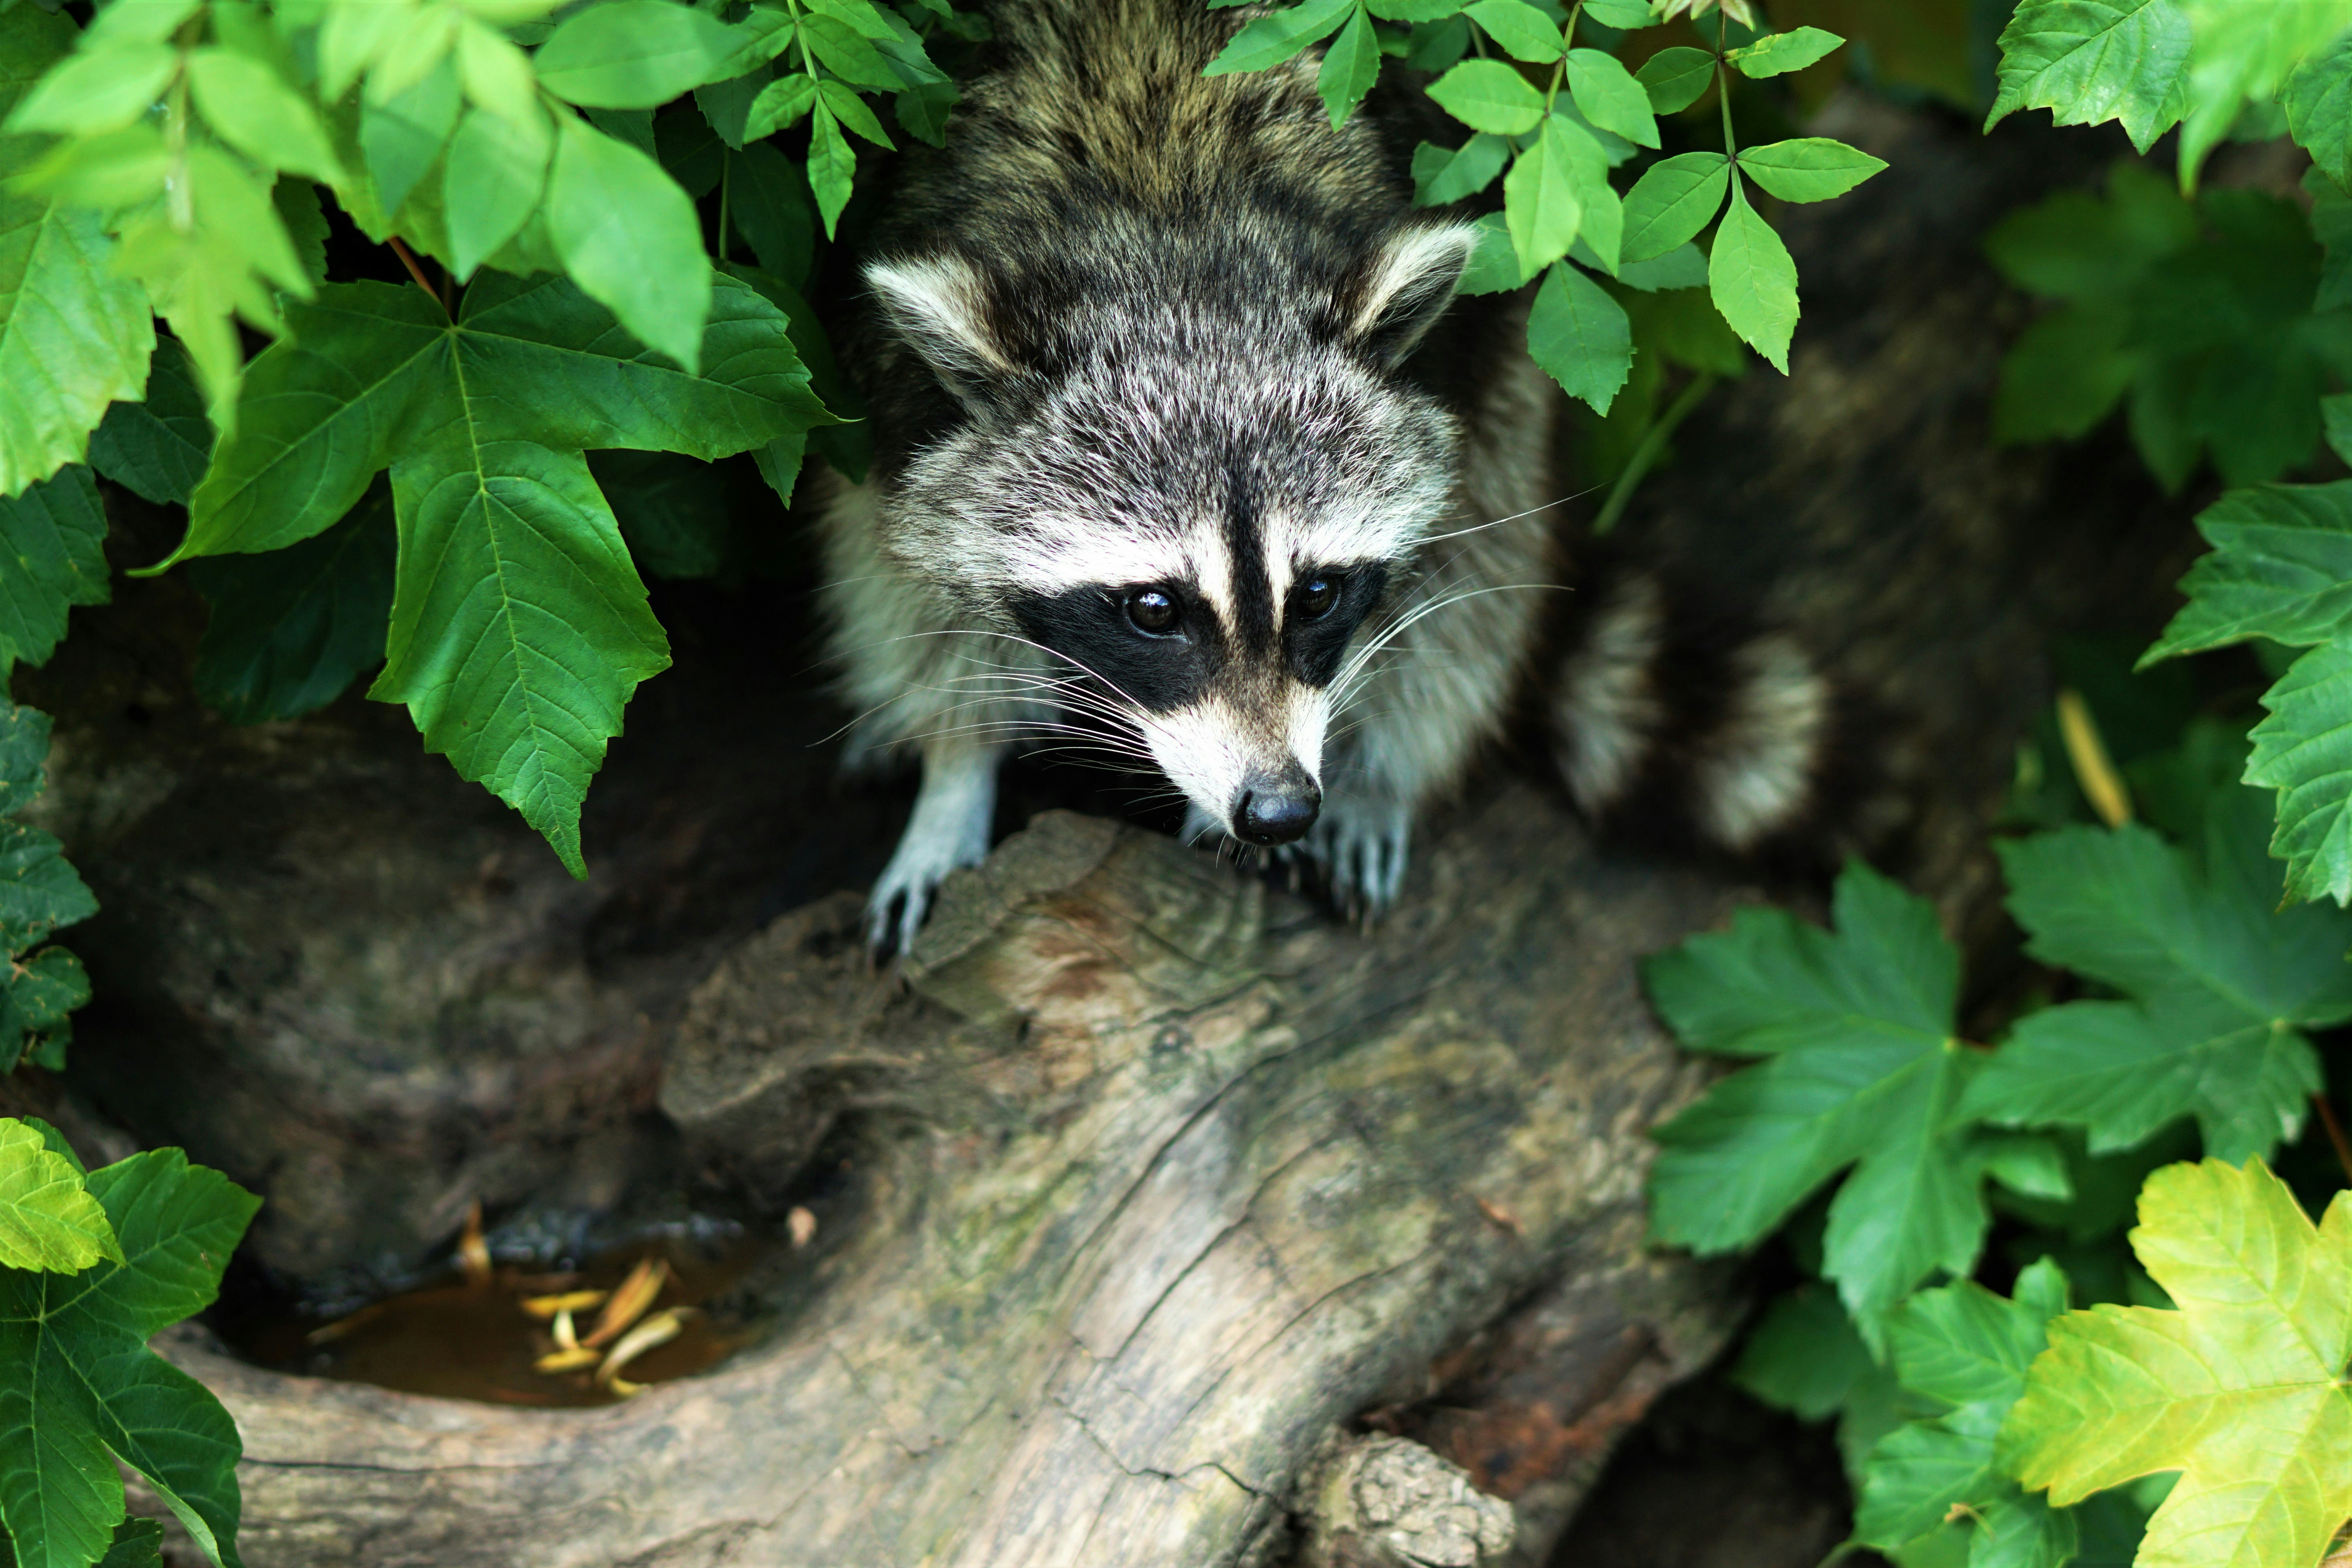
x=1808, y=168
x=1270, y=40
x=518, y=626
x=48, y=1220
x=1754, y=280
x=1674, y=199
x=1784, y=52
x=1442, y=175
x=630, y=239
x=633, y=54
x=1611, y=98
x=1543, y=196
x=1351, y=64
x=1581, y=336
x=1863, y=1069
x=2241, y=1389
x=1525, y=33
x=80, y=1390
x=1488, y=95
x=1676, y=78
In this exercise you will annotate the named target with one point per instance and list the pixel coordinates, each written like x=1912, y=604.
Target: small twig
x=408, y=259
x=2102, y=785
x=2335, y=1130
x=1645, y=453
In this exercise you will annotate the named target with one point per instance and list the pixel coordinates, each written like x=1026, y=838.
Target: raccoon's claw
x=1362, y=849
x=949, y=830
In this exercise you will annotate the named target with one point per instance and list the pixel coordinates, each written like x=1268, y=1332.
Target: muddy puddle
x=636, y=1316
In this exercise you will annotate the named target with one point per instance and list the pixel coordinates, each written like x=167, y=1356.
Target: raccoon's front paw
x=1361, y=846
x=928, y=851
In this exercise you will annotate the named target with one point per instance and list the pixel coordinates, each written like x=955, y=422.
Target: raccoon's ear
x=1407, y=285
x=939, y=305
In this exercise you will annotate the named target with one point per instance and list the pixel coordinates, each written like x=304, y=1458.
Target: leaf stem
x=408, y=259
x=725, y=189
x=1723, y=99
x=1646, y=454
x=2335, y=1130
x=1560, y=67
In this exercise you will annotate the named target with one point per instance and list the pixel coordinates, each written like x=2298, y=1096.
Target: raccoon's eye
x=1152, y=611
x=1312, y=600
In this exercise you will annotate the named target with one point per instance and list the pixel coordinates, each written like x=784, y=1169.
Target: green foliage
x=2220, y=982
x=48, y=1220
x=80, y=1390
x=1862, y=1067
x=1964, y=1352
x=2241, y=1389
x=2203, y=313
x=1554, y=116
x=573, y=169
x=2202, y=64
x=74, y=335
x=39, y=893
x=2223, y=325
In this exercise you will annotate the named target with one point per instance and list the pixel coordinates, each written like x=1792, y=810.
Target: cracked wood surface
x=1164, y=1179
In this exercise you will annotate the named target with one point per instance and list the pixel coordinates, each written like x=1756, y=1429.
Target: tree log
x=1162, y=1177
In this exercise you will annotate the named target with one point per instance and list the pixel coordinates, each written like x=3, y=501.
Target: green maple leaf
x=1964, y=1351
x=2221, y=985
x=80, y=1390
x=518, y=626
x=2242, y=1389
x=2280, y=568
x=292, y=629
x=1862, y=1067
x=74, y=334
x=52, y=557
x=48, y=1220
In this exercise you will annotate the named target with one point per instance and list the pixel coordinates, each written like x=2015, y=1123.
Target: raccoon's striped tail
x=1676, y=719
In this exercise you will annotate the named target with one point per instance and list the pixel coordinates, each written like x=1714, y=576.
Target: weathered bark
x=1165, y=1177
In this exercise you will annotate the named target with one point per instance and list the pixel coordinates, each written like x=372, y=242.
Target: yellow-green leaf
x=2241, y=1389
x=48, y=1221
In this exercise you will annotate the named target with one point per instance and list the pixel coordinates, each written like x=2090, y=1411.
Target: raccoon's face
x=1195, y=502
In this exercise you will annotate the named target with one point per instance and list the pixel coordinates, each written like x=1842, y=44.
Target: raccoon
x=1186, y=450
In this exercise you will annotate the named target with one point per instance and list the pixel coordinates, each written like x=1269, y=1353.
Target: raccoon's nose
x=1276, y=811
